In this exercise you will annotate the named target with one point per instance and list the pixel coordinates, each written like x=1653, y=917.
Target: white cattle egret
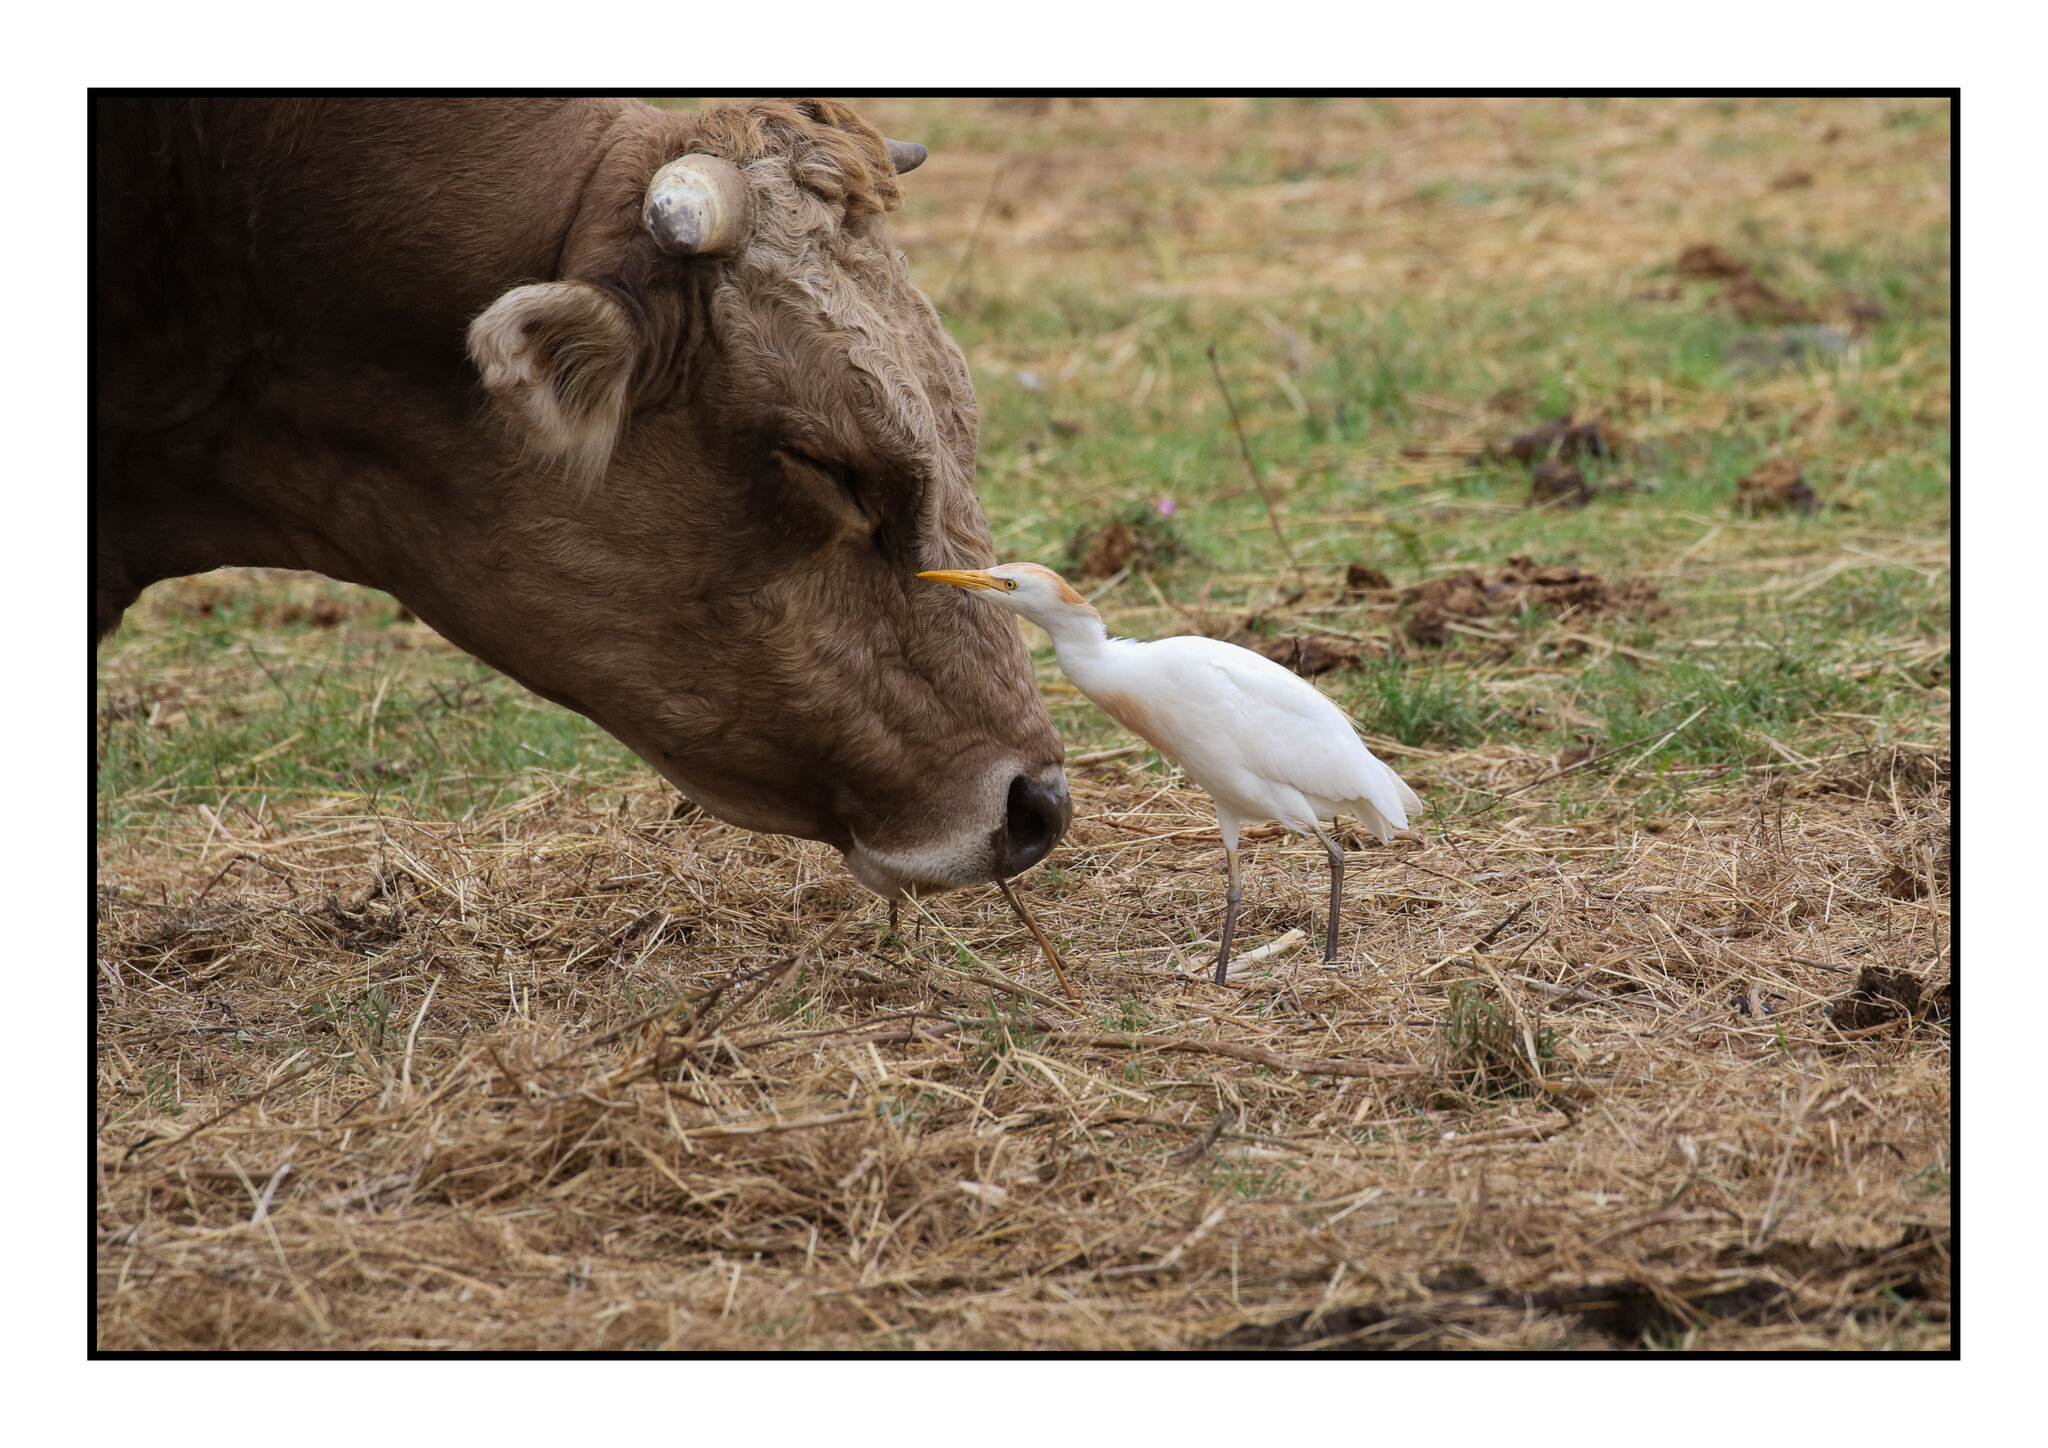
x=1263, y=741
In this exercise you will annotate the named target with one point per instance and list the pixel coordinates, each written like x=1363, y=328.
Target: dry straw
x=575, y=1075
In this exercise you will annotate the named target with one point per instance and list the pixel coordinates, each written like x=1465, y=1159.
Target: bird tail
x=1409, y=803
x=1390, y=809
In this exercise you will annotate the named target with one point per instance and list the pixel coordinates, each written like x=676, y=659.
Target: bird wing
x=1280, y=727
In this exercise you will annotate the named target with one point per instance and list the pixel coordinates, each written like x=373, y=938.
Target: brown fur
x=604, y=493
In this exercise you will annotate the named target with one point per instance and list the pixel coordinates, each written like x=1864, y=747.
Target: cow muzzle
x=1035, y=814
x=1022, y=816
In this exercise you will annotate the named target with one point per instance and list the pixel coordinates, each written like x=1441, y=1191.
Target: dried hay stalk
x=685, y=1115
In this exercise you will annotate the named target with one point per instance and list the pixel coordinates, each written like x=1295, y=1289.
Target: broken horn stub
x=698, y=206
x=905, y=155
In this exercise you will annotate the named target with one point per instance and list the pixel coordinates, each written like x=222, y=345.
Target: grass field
x=427, y=1018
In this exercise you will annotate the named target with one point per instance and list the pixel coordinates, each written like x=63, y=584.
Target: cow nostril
x=1036, y=817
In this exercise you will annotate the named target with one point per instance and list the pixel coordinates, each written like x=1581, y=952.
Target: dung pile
x=1777, y=486
x=1307, y=656
x=1520, y=584
x=1747, y=296
x=1879, y=997
x=1561, y=440
x=1138, y=534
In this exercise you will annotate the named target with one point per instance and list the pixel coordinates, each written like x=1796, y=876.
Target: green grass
x=302, y=713
x=1001, y=1032
x=1234, y=1174
x=1336, y=459
x=1482, y=1051
x=1415, y=703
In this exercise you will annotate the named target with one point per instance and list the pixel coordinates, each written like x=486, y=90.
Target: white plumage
x=1264, y=742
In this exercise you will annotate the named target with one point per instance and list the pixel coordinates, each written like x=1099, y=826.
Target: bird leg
x=1229, y=916
x=1336, y=853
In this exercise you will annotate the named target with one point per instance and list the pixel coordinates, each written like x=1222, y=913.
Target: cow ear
x=557, y=356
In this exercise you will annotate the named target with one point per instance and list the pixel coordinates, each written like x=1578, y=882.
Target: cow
x=638, y=406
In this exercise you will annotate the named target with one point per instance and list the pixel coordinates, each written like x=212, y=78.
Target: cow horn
x=905, y=155
x=698, y=206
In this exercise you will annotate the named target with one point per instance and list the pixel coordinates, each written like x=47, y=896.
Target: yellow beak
x=965, y=578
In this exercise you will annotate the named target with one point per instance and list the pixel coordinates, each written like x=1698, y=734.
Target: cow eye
x=846, y=478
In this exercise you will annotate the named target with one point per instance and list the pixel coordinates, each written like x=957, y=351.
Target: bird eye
x=1011, y=584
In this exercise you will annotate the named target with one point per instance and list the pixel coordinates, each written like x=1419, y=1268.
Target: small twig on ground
x=989, y=974
x=1668, y=737
x=412, y=1036
x=1052, y=956
x=1301, y=1065
x=700, y=1005
x=1494, y=934
x=764, y=1128
x=214, y=1120
x=1503, y=798
x=1763, y=1230
x=1570, y=995
x=235, y=860
x=269, y=1191
x=1246, y=964
x=913, y=1033
x=704, y=998
x=1121, y=1118
x=1528, y=1131
x=910, y=1016
x=1407, y=863
x=973, y=241
x=1207, y=1139
x=1252, y=467
x=1171, y=1261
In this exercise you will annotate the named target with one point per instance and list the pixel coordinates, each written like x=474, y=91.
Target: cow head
x=739, y=433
